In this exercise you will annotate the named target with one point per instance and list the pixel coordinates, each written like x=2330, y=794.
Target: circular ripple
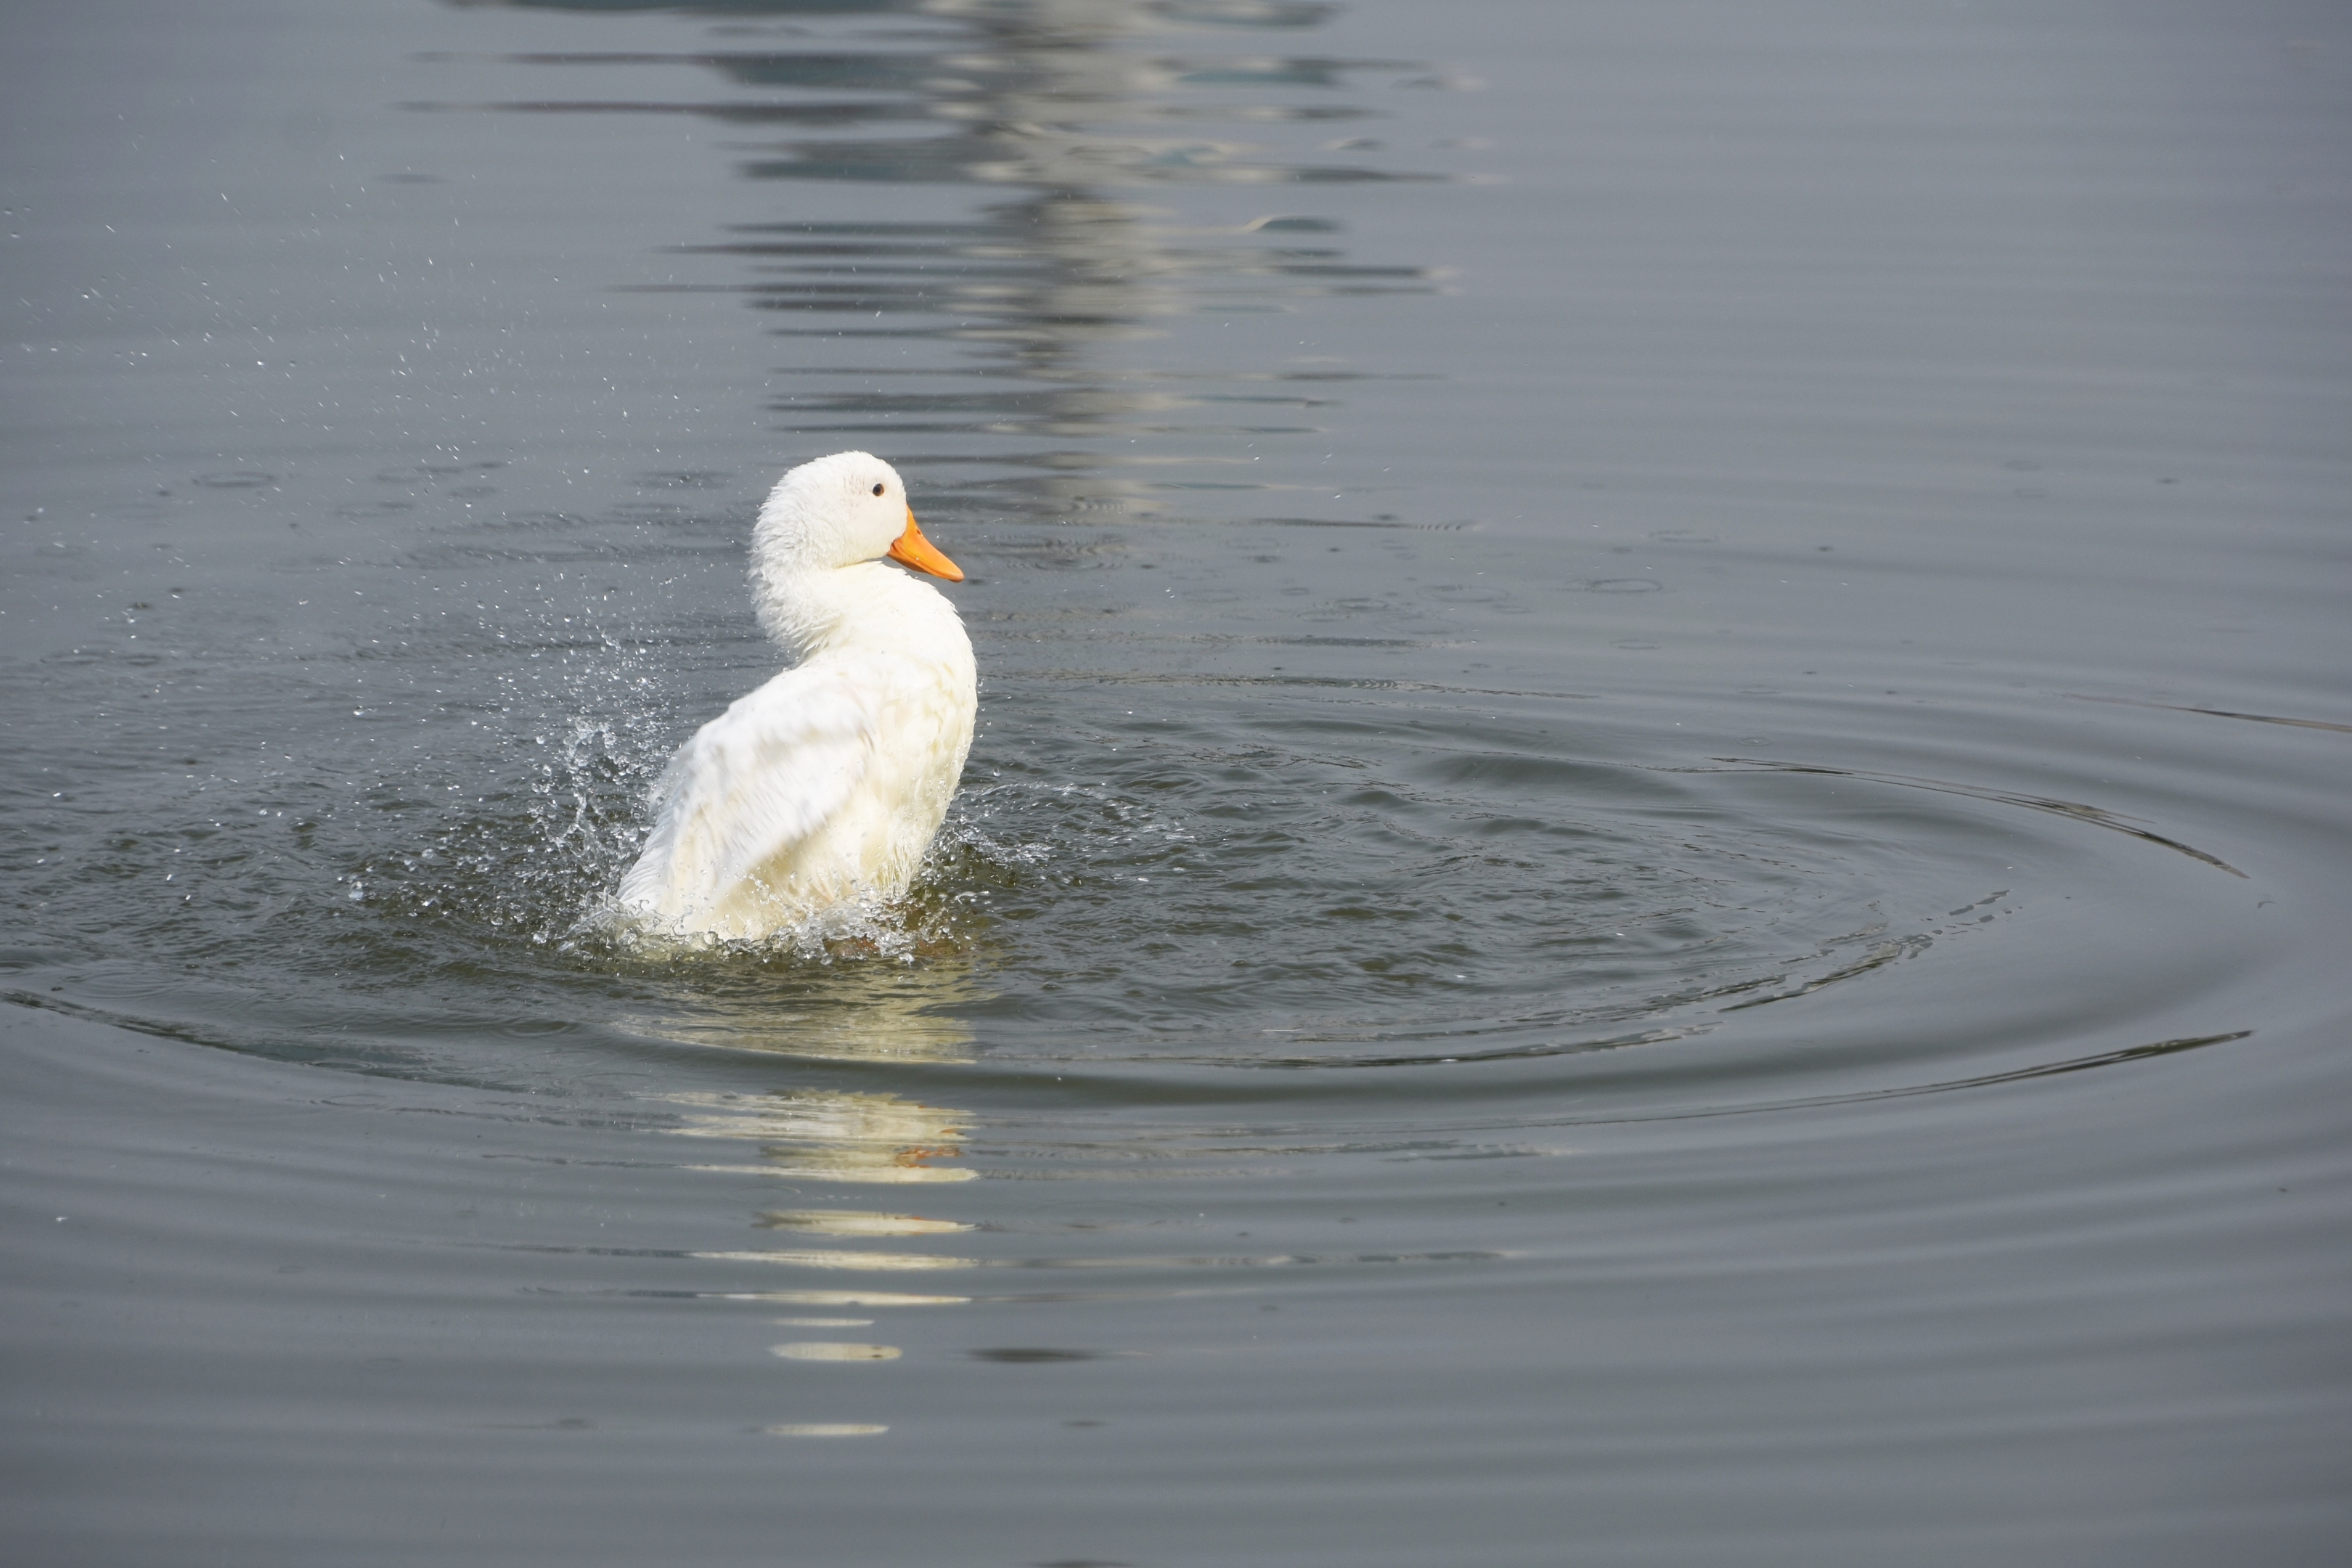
x=1229, y=877
x=1283, y=883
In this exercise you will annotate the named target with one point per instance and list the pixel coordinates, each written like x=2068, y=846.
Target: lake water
x=1656, y=869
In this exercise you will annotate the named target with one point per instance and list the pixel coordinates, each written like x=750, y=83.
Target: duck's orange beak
x=914, y=550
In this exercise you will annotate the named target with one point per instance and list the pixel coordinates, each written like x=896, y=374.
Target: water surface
x=1654, y=869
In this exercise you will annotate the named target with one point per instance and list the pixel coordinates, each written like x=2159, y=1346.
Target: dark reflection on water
x=1029, y=313
x=1603, y=910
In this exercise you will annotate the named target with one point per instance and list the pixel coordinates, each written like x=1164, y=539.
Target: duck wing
x=753, y=783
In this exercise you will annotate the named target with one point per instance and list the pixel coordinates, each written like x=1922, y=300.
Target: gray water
x=1656, y=868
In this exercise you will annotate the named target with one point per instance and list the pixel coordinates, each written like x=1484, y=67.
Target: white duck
x=825, y=784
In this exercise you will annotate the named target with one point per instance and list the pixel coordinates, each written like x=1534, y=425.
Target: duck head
x=839, y=511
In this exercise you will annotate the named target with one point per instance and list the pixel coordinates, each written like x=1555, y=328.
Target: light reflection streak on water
x=840, y=1136
x=825, y=1429
x=834, y=1297
x=846, y=1222
x=880, y=1262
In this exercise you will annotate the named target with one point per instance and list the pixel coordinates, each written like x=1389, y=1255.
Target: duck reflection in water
x=867, y=1009
x=832, y=1135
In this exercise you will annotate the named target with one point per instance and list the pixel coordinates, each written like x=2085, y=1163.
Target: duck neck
x=809, y=610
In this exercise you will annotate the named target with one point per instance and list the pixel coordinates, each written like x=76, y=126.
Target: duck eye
x=877, y=490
